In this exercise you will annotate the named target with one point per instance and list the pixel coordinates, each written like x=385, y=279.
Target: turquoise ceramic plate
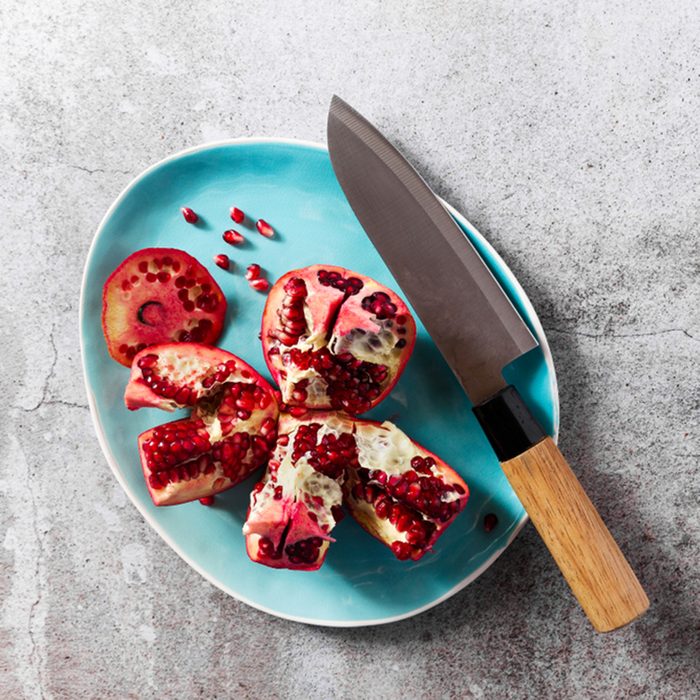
x=291, y=185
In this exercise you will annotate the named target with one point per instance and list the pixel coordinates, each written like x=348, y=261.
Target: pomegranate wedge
x=232, y=429
x=159, y=295
x=335, y=339
x=177, y=375
x=401, y=493
x=298, y=502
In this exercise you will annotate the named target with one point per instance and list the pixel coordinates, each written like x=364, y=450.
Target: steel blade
x=460, y=303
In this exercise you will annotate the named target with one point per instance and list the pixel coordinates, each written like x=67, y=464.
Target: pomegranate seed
x=237, y=215
x=490, y=522
x=401, y=550
x=207, y=500
x=222, y=261
x=260, y=285
x=264, y=229
x=190, y=216
x=253, y=271
x=233, y=237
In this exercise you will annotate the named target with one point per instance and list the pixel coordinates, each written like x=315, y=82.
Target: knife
x=479, y=332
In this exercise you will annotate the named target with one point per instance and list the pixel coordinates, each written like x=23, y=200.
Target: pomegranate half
x=399, y=492
x=159, y=295
x=231, y=432
x=335, y=339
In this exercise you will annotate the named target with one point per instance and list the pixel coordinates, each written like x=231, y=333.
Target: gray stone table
x=566, y=131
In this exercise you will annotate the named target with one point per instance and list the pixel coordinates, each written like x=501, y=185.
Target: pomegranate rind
x=192, y=363
x=335, y=321
x=128, y=328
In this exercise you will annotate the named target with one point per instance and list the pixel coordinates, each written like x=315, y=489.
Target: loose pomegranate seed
x=207, y=500
x=490, y=522
x=222, y=261
x=233, y=237
x=260, y=285
x=253, y=271
x=237, y=215
x=264, y=229
x=190, y=216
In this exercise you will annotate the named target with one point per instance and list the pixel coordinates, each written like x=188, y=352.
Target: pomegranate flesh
x=298, y=502
x=398, y=491
x=159, y=295
x=335, y=339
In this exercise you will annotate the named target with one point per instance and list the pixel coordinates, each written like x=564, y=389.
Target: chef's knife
x=478, y=331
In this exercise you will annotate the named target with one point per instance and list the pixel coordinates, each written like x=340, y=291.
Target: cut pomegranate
x=402, y=494
x=222, y=261
x=296, y=505
x=233, y=237
x=159, y=295
x=230, y=434
x=178, y=375
x=264, y=229
x=189, y=214
x=237, y=215
x=335, y=339
x=399, y=492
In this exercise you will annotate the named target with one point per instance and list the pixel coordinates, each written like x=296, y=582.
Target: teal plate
x=291, y=185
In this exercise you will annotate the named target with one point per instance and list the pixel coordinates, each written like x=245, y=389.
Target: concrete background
x=567, y=132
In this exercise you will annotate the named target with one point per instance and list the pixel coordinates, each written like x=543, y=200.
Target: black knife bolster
x=508, y=424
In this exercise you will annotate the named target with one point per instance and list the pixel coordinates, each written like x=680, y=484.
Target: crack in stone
x=49, y=376
x=52, y=402
x=92, y=171
x=34, y=654
x=565, y=331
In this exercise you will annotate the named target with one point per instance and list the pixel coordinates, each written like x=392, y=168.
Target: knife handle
x=584, y=550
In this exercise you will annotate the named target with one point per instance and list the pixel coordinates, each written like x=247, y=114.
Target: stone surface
x=567, y=132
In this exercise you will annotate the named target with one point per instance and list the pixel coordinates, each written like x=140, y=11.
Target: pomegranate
x=178, y=375
x=159, y=295
x=232, y=429
x=298, y=502
x=335, y=339
x=399, y=492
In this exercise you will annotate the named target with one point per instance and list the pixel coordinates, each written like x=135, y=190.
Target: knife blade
x=454, y=293
x=478, y=331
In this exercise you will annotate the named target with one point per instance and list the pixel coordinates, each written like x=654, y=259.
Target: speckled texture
x=566, y=131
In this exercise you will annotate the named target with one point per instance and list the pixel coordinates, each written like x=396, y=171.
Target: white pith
x=300, y=480
x=359, y=345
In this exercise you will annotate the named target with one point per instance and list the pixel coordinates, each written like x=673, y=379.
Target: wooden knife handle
x=575, y=534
